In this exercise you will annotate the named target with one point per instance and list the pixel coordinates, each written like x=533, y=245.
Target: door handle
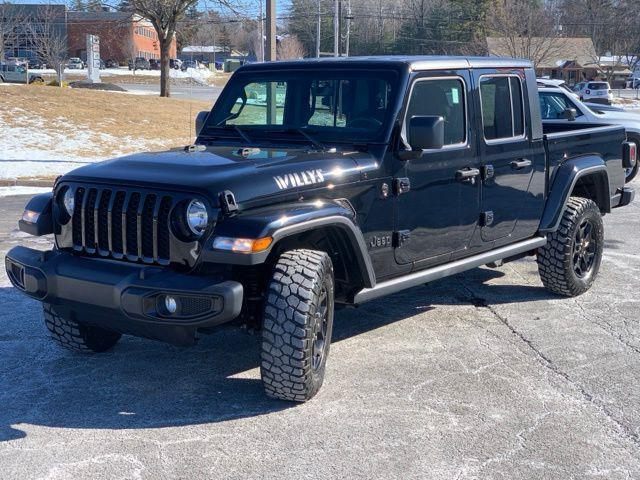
x=520, y=164
x=467, y=175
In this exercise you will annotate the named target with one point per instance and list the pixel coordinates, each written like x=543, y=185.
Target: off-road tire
x=77, y=336
x=556, y=260
x=300, y=291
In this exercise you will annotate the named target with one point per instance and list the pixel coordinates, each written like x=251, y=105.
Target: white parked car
x=551, y=82
x=75, y=63
x=559, y=106
x=595, y=91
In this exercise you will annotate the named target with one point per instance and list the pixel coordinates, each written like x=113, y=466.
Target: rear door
x=439, y=213
x=507, y=161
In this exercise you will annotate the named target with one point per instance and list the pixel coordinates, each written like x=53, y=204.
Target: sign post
x=93, y=58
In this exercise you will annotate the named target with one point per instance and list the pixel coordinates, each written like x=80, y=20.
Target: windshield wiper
x=316, y=143
x=240, y=132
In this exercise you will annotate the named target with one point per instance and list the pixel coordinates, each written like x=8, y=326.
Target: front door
x=439, y=213
x=507, y=160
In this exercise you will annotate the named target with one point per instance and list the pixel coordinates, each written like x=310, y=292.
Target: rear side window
x=502, y=107
x=441, y=97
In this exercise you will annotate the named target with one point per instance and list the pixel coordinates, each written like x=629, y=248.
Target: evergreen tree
x=78, y=6
x=225, y=40
x=94, y=6
x=124, y=6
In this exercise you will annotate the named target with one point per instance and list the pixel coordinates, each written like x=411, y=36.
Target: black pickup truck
x=319, y=184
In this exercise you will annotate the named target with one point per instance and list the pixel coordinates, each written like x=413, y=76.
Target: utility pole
x=271, y=31
x=271, y=56
x=336, y=28
x=261, y=28
x=349, y=17
x=318, y=28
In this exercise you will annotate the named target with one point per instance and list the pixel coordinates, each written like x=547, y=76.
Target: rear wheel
x=570, y=261
x=77, y=336
x=297, y=325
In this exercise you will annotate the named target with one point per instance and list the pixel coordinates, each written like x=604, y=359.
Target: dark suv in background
x=139, y=64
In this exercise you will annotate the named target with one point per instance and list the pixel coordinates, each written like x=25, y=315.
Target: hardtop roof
x=414, y=63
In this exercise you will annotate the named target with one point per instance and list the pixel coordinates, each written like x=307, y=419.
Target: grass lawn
x=44, y=123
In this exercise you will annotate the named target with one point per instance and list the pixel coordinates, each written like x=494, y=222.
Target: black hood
x=248, y=173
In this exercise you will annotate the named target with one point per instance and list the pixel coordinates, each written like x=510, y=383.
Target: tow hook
x=228, y=202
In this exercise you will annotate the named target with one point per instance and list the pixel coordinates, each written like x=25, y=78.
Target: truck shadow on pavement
x=147, y=384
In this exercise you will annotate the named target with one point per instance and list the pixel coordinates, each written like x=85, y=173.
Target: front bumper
x=125, y=297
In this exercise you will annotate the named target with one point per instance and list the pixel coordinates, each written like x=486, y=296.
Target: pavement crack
x=624, y=430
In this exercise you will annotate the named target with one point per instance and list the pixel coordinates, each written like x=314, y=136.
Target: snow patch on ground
x=31, y=147
x=12, y=191
x=198, y=74
x=627, y=103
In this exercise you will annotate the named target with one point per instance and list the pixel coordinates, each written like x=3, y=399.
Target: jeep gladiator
x=320, y=184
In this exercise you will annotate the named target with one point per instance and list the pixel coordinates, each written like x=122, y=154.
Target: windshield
x=335, y=106
x=598, y=86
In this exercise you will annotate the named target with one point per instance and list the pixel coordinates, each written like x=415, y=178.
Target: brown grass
x=166, y=122
x=220, y=80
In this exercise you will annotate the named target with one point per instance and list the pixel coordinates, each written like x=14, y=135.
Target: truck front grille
x=122, y=224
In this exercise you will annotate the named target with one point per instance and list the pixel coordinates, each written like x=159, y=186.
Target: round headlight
x=69, y=201
x=197, y=217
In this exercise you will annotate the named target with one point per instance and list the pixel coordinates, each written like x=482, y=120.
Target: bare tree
x=613, y=28
x=9, y=23
x=165, y=15
x=290, y=48
x=132, y=52
x=524, y=30
x=49, y=39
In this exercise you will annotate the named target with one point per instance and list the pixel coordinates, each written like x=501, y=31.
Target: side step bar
x=424, y=276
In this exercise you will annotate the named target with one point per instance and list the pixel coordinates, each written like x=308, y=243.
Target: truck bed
x=564, y=142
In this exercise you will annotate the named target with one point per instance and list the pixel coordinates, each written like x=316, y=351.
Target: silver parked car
x=14, y=73
x=559, y=106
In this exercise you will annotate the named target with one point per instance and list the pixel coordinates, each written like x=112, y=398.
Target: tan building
x=572, y=59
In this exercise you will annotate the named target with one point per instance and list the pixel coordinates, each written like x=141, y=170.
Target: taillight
x=588, y=92
x=629, y=154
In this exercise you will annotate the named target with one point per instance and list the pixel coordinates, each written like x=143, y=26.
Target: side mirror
x=200, y=119
x=570, y=114
x=426, y=132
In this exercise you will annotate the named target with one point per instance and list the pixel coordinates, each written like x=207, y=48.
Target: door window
x=553, y=106
x=502, y=107
x=441, y=97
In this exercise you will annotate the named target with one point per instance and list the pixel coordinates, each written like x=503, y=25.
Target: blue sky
x=251, y=10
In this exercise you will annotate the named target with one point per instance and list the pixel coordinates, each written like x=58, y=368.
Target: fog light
x=170, y=304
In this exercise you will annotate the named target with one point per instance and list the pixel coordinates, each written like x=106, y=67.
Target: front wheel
x=297, y=325
x=569, y=263
x=76, y=336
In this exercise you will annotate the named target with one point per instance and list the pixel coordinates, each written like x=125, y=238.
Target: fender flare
x=43, y=205
x=567, y=176
x=297, y=220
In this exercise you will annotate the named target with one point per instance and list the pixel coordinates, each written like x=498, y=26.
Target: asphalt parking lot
x=480, y=376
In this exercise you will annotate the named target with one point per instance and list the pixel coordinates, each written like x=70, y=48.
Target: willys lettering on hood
x=299, y=179
x=248, y=173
